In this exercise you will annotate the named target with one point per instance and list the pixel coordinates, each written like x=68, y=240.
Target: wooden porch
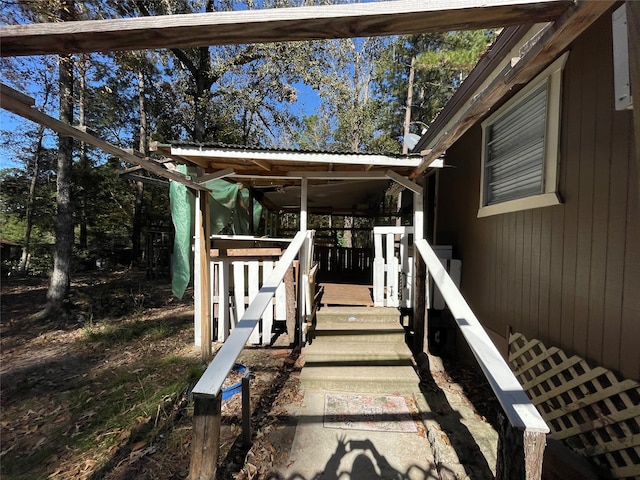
x=333, y=294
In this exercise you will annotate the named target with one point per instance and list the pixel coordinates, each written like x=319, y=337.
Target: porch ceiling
x=337, y=197
x=338, y=182
x=280, y=166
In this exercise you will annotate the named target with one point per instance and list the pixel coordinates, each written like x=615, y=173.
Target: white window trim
x=553, y=75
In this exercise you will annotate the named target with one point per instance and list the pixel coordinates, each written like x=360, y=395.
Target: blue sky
x=307, y=103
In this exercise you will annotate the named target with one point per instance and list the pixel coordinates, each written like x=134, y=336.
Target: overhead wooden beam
x=166, y=162
x=214, y=176
x=313, y=175
x=551, y=43
x=150, y=180
x=266, y=166
x=14, y=101
x=405, y=182
x=274, y=25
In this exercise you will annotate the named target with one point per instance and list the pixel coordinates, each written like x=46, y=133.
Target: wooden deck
x=346, y=294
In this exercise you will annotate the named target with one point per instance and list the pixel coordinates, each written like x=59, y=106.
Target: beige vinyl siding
x=567, y=274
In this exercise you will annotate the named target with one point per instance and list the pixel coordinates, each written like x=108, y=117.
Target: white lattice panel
x=591, y=409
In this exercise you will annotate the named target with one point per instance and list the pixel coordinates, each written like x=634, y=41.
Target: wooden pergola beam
x=274, y=25
x=22, y=105
x=553, y=41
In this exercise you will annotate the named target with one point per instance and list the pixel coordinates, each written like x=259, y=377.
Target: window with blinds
x=514, y=156
x=520, y=144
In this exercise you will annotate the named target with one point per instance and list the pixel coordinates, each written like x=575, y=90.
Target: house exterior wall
x=568, y=275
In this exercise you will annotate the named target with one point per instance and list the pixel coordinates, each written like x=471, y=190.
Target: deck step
x=357, y=353
x=370, y=379
x=358, y=350
x=358, y=314
x=373, y=332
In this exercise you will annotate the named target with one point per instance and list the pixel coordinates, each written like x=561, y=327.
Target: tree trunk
x=61, y=276
x=84, y=159
x=24, y=259
x=202, y=85
x=139, y=194
x=407, y=111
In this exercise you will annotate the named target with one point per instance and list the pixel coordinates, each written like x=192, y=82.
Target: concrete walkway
x=331, y=453
x=355, y=355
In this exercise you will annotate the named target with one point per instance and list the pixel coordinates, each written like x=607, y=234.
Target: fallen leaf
x=134, y=456
x=57, y=472
x=4, y=452
x=138, y=446
x=39, y=444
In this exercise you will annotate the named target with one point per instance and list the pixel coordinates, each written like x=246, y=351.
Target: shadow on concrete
x=462, y=440
x=359, y=460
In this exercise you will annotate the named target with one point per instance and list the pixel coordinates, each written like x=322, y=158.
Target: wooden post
x=206, y=436
x=204, y=254
x=291, y=304
x=420, y=312
x=520, y=453
x=252, y=229
x=302, y=270
x=246, y=411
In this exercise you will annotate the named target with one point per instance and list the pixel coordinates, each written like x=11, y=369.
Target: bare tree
x=60, y=280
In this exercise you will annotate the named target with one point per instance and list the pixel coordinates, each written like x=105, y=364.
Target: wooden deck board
x=346, y=294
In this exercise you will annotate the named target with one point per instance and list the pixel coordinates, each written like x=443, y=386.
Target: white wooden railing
x=392, y=274
x=207, y=392
x=523, y=435
x=235, y=281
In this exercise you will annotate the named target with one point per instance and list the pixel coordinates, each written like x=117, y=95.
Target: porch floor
x=346, y=294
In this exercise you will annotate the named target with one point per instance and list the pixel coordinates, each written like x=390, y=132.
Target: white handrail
x=517, y=406
x=211, y=381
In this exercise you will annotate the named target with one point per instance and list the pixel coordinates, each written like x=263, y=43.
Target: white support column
x=267, y=316
x=304, y=187
x=197, y=278
x=238, y=289
x=203, y=256
x=378, y=271
x=393, y=272
x=197, y=271
x=223, y=300
x=418, y=234
x=418, y=217
x=253, y=287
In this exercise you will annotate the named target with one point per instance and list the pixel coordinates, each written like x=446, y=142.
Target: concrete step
x=356, y=332
x=358, y=314
x=401, y=380
x=357, y=353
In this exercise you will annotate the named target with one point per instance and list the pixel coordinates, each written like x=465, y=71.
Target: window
x=520, y=148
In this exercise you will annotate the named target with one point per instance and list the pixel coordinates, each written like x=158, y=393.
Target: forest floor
x=103, y=392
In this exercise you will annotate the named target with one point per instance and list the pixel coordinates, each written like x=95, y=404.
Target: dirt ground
x=103, y=392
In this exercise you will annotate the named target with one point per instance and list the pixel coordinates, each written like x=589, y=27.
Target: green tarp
x=229, y=208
